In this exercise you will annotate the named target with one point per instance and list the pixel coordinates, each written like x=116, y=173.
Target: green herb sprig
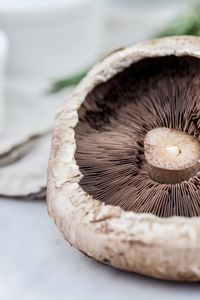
x=61, y=84
x=188, y=24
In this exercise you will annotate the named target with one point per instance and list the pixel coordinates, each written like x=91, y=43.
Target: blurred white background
x=56, y=38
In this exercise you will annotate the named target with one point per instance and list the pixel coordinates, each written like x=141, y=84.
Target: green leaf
x=188, y=24
x=67, y=82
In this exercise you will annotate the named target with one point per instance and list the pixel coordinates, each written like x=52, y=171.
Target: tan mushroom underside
x=162, y=248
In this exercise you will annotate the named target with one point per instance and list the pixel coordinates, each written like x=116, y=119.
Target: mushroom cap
x=166, y=248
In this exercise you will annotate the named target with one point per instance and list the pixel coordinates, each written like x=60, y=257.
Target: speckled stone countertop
x=37, y=264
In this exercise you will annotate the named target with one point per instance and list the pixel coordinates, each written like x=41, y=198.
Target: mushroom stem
x=172, y=156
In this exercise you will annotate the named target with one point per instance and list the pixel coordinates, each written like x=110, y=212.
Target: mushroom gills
x=114, y=123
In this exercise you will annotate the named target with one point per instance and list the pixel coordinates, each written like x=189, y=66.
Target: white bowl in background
x=3, y=59
x=51, y=38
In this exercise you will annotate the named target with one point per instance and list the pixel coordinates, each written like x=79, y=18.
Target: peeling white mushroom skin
x=166, y=248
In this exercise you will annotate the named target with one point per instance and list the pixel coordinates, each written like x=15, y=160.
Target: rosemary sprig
x=67, y=82
x=188, y=24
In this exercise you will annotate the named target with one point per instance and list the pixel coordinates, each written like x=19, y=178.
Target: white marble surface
x=37, y=264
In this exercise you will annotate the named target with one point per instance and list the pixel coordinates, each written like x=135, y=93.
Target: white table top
x=37, y=264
